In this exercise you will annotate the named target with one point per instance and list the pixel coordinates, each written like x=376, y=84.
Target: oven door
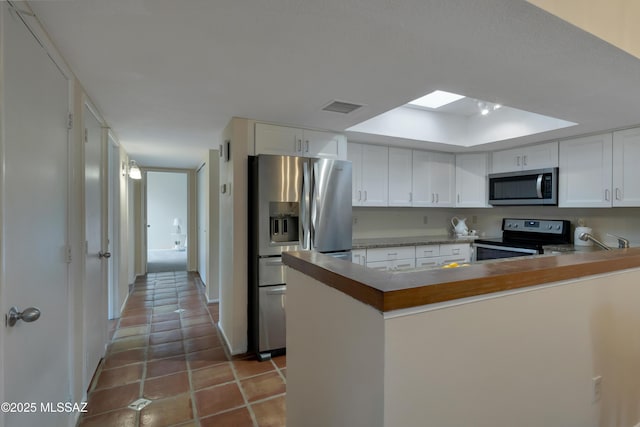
x=485, y=251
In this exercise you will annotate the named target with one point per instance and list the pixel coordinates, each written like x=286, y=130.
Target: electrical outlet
x=425, y=220
x=597, y=388
x=355, y=220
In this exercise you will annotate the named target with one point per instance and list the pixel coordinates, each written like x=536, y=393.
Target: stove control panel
x=546, y=226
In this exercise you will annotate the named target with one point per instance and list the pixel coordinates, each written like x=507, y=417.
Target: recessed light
x=436, y=99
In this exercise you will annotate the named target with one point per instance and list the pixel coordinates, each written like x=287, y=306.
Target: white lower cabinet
x=359, y=256
x=392, y=258
x=399, y=258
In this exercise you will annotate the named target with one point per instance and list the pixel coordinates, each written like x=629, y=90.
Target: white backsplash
x=402, y=222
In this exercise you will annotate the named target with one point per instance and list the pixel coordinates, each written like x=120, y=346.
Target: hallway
x=166, y=349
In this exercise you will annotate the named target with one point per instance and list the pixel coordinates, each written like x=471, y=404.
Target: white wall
x=389, y=222
x=335, y=349
x=524, y=358
x=233, y=235
x=167, y=199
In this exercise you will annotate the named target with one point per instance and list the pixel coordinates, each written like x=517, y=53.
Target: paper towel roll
x=576, y=236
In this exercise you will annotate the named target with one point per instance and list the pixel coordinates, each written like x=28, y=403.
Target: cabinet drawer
x=404, y=264
x=391, y=253
x=455, y=249
x=379, y=265
x=426, y=251
x=427, y=262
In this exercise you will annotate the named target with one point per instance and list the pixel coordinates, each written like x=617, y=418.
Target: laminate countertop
x=388, y=291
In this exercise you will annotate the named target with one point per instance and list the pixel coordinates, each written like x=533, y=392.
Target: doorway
x=167, y=221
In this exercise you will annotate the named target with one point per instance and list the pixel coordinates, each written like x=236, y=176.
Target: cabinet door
x=375, y=175
x=585, y=172
x=380, y=265
x=359, y=256
x=442, y=168
x=471, y=180
x=327, y=145
x=540, y=156
x=354, y=154
x=403, y=264
x=421, y=179
x=427, y=251
x=280, y=140
x=506, y=160
x=399, y=177
x=427, y=262
x=626, y=173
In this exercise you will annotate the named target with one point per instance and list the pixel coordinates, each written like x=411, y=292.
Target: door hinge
x=70, y=121
x=67, y=255
x=86, y=135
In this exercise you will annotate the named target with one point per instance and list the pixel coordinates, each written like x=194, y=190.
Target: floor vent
x=139, y=404
x=341, y=107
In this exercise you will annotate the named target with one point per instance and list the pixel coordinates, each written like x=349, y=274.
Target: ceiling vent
x=341, y=107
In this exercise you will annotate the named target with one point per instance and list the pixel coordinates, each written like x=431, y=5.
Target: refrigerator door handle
x=304, y=206
x=313, y=208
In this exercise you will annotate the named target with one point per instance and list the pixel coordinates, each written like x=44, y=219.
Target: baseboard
x=213, y=301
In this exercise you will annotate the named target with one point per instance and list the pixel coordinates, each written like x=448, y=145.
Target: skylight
x=436, y=99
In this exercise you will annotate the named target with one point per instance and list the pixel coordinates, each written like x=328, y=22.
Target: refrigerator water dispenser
x=283, y=222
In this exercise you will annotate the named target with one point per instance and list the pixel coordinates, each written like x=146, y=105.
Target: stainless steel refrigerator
x=295, y=203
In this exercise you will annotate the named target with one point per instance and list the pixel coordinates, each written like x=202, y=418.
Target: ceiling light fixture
x=134, y=170
x=436, y=99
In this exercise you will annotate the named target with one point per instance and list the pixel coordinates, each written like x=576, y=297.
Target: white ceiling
x=168, y=75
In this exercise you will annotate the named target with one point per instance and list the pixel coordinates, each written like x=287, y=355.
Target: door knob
x=104, y=254
x=29, y=315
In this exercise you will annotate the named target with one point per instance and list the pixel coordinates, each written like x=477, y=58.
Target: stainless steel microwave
x=531, y=187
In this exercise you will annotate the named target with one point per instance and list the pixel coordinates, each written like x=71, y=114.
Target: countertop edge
x=392, y=291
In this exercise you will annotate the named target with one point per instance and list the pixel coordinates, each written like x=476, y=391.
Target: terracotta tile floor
x=166, y=348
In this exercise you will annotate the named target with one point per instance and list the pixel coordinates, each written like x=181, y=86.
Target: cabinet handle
x=458, y=197
x=606, y=195
x=437, y=198
x=410, y=196
x=359, y=195
x=299, y=145
x=517, y=160
x=365, y=195
x=618, y=194
x=524, y=160
x=307, y=145
x=392, y=253
x=433, y=197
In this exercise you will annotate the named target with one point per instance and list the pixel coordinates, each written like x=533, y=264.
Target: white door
x=95, y=293
x=203, y=216
x=35, y=357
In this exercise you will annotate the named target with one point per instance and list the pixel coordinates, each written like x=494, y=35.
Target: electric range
x=522, y=237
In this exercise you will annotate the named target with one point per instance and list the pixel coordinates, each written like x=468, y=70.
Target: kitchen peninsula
x=549, y=340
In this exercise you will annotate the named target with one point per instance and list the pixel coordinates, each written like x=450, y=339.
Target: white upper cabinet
x=585, y=172
x=524, y=158
x=287, y=141
x=370, y=165
x=471, y=180
x=278, y=140
x=327, y=145
x=433, y=182
x=400, y=176
x=626, y=173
